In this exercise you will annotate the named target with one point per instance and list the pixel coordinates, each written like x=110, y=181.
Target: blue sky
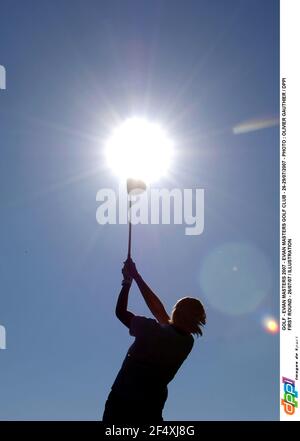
x=73, y=70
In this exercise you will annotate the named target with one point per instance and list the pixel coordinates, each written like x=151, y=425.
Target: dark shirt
x=153, y=359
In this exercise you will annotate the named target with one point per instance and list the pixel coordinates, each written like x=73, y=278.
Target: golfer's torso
x=152, y=361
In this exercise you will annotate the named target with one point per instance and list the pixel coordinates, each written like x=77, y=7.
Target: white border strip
x=289, y=207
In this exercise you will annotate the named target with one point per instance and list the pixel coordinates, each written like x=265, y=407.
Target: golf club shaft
x=129, y=235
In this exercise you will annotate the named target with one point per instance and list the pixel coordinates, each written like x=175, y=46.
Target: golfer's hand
x=127, y=279
x=131, y=268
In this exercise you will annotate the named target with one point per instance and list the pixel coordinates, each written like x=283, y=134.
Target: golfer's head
x=189, y=315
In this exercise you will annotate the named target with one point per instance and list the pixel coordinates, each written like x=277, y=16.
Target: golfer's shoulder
x=140, y=324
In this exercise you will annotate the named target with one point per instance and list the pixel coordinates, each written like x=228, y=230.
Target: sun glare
x=139, y=149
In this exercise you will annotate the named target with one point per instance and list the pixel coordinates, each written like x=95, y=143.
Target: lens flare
x=139, y=149
x=235, y=278
x=254, y=125
x=270, y=325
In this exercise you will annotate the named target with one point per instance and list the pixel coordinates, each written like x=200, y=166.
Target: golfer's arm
x=122, y=313
x=152, y=301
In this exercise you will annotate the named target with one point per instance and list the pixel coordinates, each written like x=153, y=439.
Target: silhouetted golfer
x=160, y=347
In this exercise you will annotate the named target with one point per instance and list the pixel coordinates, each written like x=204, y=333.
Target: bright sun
x=139, y=149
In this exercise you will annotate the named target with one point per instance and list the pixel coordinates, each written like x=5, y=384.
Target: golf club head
x=135, y=186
